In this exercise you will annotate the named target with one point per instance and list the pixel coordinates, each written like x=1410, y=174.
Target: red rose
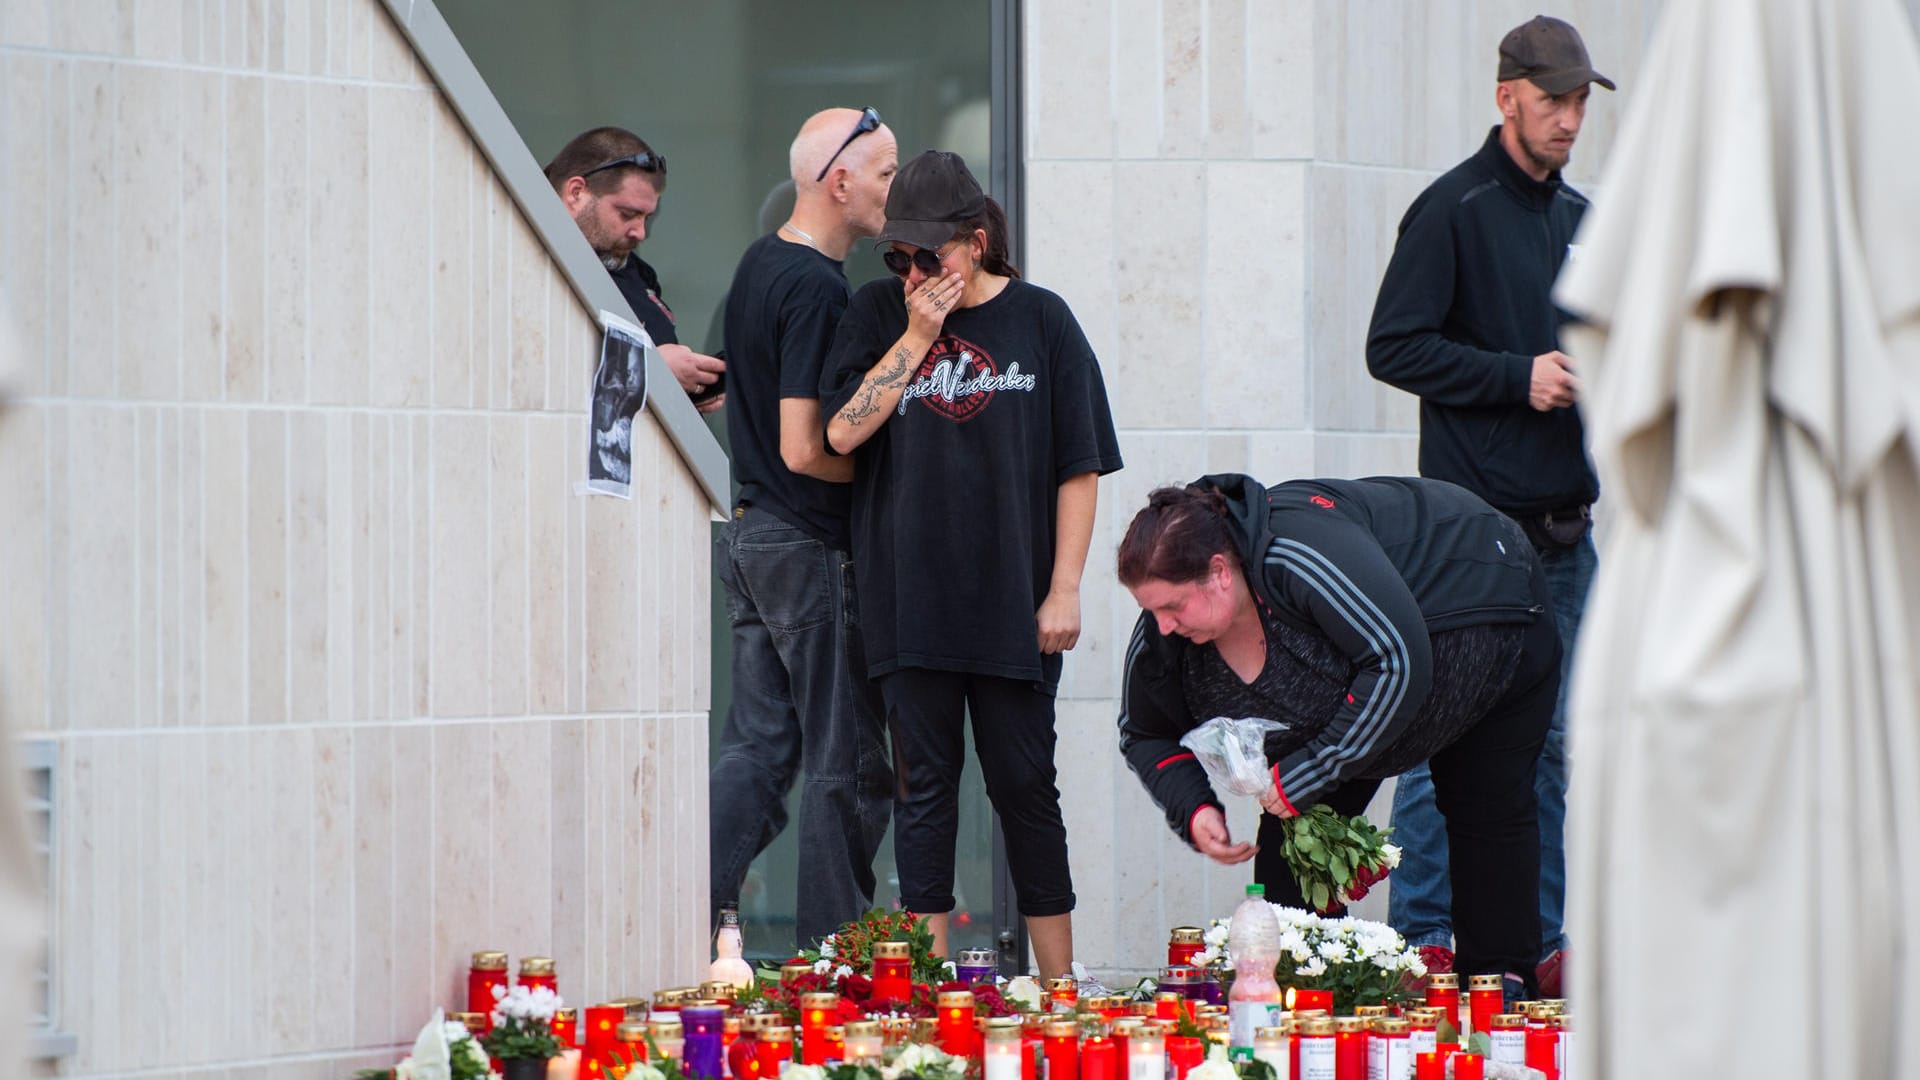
x=857, y=986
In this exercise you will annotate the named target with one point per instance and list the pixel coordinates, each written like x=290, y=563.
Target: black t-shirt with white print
x=954, y=498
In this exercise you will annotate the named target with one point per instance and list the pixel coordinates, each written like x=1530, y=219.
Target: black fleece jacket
x=1465, y=306
x=1374, y=565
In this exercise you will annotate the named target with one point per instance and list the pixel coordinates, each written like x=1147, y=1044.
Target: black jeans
x=1483, y=785
x=1013, y=739
x=801, y=702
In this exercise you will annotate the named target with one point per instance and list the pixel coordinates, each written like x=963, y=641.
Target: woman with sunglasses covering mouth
x=977, y=418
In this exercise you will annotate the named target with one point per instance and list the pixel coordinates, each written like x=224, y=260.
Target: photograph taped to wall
x=619, y=393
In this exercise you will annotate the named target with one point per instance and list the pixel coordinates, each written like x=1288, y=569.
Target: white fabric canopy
x=1744, y=827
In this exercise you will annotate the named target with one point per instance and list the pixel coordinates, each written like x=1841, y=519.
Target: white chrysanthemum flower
x=826, y=947
x=1216, y=935
x=822, y=966
x=454, y=1031
x=1334, y=950
x=1417, y=967
x=843, y=971
x=1205, y=957
x=1312, y=969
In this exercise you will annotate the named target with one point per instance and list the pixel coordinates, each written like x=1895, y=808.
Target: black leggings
x=1483, y=784
x=1013, y=739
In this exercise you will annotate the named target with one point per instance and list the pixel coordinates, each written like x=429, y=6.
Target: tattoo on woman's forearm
x=867, y=402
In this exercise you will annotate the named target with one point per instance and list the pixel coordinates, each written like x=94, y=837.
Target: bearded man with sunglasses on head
x=801, y=698
x=611, y=183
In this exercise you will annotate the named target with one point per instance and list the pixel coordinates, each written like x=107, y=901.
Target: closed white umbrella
x=1744, y=829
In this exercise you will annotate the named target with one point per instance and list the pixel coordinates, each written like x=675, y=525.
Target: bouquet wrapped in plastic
x=1336, y=859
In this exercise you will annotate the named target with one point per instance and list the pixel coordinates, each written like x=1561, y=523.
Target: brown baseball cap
x=1549, y=53
x=930, y=198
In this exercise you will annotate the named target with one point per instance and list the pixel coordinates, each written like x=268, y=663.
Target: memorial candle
x=1182, y=943
x=1300, y=999
x=1349, y=1048
x=1429, y=1066
x=488, y=970
x=1099, y=1059
x=537, y=971
x=892, y=971
x=743, y=1044
x=1167, y=1006
x=955, y=1013
x=775, y=1050
x=1543, y=1044
x=718, y=991
x=1061, y=1044
x=1469, y=1067
x=668, y=1036
x=705, y=1040
x=1485, y=1000
x=864, y=1042
x=1270, y=1044
x=1063, y=995
x=975, y=966
x=630, y=1047
x=817, y=1010
x=1317, y=1053
x=1183, y=1053
x=1147, y=1054
x=1002, y=1053
x=1509, y=1039
x=1443, y=993
x=1391, y=1058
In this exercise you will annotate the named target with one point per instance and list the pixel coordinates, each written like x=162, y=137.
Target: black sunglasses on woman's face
x=869, y=121
x=928, y=261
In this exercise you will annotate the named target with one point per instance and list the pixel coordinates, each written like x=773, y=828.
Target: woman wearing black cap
x=978, y=419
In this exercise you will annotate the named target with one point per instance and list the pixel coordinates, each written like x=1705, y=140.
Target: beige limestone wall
x=1214, y=185
x=345, y=681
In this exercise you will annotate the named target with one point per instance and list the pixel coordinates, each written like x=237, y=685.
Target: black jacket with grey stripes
x=1374, y=565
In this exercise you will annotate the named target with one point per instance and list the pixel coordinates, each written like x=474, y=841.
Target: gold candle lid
x=731, y=1025
x=665, y=1029
x=1509, y=1022
x=1482, y=982
x=489, y=961
x=664, y=998
x=566, y=1015
x=1558, y=1003
x=1167, y=996
x=862, y=1029
x=1141, y=1008
x=955, y=999
x=1349, y=1025
x=717, y=991
x=1005, y=1027
x=819, y=999
x=1186, y=935
x=700, y=1003
x=1370, y=1010
x=1269, y=1033
x=776, y=1032
x=632, y=1031
x=1063, y=985
x=1422, y=1019
x=1557, y=1022
x=1389, y=1025
x=1147, y=1032
x=1309, y=1014
x=1062, y=1029
x=536, y=966
x=793, y=968
x=927, y=1028
x=474, y=1022
x=1319, y=1025
x=892, y=950
x=1127, y=1025
x=1539, y=1010
x=1444, y=980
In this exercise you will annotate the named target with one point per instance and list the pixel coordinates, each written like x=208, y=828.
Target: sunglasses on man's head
x=645, y=161
x=869, y=121
x=928, y=261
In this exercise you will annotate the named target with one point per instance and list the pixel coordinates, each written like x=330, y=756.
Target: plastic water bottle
x=727, y=947
x=1254, y=1002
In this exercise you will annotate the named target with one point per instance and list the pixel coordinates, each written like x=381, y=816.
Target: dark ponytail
x=1175, y=538
x=995, y=259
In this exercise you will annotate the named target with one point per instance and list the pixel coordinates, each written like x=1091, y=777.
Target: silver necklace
x=802, y=234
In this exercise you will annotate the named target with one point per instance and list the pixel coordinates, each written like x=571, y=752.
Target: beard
x=1542, y=157
x=612, y=251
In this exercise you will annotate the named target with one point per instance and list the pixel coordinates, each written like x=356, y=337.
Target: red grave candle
x=1485, y=1000
x=892, y=971
x=1062, y=1048
x=1098, y=1060
x=1349, y=1048
x=566, y=1027
x=1300, y=999
x=775, y=1048
x=489, y=970
x=537, y=971
x=1469, y=1067
x=743, y=1059
x=1443, y=993
x=1184, y=1052
x=1429, y=1065
x=1183, y=942
x=817, y=1010
x=955, y=1012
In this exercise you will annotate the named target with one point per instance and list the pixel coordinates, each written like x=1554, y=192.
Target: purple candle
x=976, y=966
x=704, y=1025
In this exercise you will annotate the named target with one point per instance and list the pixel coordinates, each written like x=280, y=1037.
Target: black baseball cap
x=930, y=198
x=1549, y=53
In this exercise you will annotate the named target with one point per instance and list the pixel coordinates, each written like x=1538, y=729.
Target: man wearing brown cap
x=1465, y=320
